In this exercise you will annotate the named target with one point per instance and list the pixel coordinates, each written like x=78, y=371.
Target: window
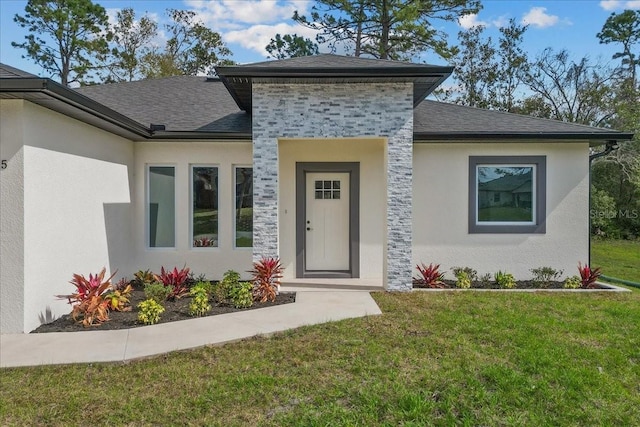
x=327, y=189
x=244, y=207
x=507, y=194
x=161, y=207
x=204, y=211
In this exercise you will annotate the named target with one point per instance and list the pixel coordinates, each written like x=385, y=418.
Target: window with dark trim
x=507, y=194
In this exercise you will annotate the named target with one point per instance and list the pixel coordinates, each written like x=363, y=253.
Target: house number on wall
x=4, y=164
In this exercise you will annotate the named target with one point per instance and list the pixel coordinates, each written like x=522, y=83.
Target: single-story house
x=337, y=165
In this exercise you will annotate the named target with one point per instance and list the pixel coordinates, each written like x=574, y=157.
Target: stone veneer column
x=347, y=110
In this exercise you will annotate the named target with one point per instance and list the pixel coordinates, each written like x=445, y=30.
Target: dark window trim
x=540, y=197
x=353, y=168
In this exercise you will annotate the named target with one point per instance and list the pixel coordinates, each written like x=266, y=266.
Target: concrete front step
x=338, y=284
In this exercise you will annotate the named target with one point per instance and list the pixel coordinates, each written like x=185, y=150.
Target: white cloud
x=538, y=17
x=501, y=21
x=232, y=14
x=470, y=21
x=610, y=4
x=618, y=4
x=257, y=37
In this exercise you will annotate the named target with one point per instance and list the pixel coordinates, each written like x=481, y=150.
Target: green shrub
x=199, y=305
x=221, y=291
x=206, y=285
x=143, y=277
x=543, y=275
x=472, y=274
x=150, y=311
x=485, y=279
x=505, y=280
x=573, y=282
x=241, y=295
x=157, y=292
x=462, y=280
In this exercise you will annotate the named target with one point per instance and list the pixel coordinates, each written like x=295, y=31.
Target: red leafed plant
x=266, y=279
x=588, y=275
x=177, y=280
x=89, y=301
x=429, y=277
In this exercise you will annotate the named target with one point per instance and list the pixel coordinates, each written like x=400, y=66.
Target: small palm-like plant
x=266, y=279
x=175, y=279
x=119, y=296
x=90, y=304
x=589, y=276
x=85, y=286
x=429, y=276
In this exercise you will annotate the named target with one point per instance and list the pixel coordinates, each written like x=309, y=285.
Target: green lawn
x=618, y=258
x=471, y=358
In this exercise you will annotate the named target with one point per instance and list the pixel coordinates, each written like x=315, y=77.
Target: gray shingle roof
x=327, y=60
x=181, y=103
x=201, y=105
x=438, y=120
x=8, y=72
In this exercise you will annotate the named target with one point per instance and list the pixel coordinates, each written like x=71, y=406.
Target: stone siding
x=336, y=111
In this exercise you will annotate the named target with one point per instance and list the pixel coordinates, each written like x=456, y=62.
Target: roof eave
x=296, y=72
x=69, y=97
x=596, y=137
x=227, y=136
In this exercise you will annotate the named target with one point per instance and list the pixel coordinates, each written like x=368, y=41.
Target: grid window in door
x=327, y=189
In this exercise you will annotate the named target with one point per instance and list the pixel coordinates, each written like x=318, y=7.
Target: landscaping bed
x=175, y=310
x=521, y=284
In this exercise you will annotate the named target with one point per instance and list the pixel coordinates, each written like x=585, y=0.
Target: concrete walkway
x=312, y=306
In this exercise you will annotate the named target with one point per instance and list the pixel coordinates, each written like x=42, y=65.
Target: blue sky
x=248, y=25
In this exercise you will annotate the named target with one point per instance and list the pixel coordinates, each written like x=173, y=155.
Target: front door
x=327, y=221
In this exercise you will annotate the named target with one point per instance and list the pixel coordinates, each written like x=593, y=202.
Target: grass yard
x=431, y=359
x=618, y=258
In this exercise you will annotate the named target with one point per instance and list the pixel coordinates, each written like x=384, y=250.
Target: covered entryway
x=327, y=219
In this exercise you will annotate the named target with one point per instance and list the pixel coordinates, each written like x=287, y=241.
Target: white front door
x=327, y=221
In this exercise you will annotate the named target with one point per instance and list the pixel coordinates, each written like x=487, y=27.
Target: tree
x=487, y=76
x=513, y=64
x=291, y=46
x=192, y=48
x=623, y=28
x=572, y=91
x=131, y=40
x=66, y=37
x=475, y=71
x=386, y=29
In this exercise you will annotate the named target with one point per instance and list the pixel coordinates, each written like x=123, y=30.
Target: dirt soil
x=174, y=311
x=520, y=284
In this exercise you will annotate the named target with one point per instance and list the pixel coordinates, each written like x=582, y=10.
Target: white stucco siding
x=11, y=216
x=212, y=262
x=76, y=208
x=370, y=154
x=440, y=210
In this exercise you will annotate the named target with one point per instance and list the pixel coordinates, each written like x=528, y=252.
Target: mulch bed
x=520, y=284
x=174, y=311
